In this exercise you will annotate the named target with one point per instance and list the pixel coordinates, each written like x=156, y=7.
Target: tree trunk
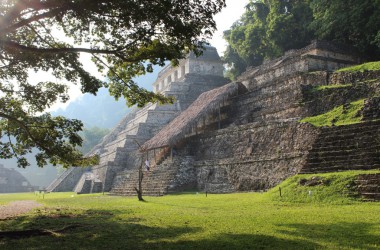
x=141, y=176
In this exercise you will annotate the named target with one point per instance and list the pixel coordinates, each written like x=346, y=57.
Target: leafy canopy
x=268, y=28
x=91, y=137
x=125, y=39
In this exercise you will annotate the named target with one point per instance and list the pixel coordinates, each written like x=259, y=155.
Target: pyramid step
x=339, y=168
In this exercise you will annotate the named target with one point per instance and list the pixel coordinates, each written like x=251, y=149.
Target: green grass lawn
x=194, y=221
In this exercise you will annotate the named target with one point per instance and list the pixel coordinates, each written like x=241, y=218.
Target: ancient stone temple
x=247, y=135
x=11, y=181
x=241, y=136
x=118, y=151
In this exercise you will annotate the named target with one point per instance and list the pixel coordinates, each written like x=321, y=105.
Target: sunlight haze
x=224, y=20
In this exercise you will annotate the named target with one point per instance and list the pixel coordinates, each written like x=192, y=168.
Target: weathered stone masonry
x=251, y=140
x=255, y=156
x=261, y=142
x=119, y=150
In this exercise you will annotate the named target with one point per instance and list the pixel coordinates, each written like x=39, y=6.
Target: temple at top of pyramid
x=207, y=64
x=118, y=150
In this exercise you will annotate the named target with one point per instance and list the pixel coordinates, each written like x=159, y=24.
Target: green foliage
x=54, y=137
x=125, y=39
x=331, y=86
x=338, y=116
x=91, y=137
x=333, y=188
x=194, y=221
x=362, y=67
x=268, y=28
x=350, y=22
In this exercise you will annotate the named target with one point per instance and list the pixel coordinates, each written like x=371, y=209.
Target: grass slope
x=362, y=67
x=338, y=116
x=327, y=188
x=193, y=221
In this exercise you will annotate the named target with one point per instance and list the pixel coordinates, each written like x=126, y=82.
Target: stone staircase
x=57, y=181
x=350, y=147
x=119, y=152
x=155, y=183
x=71, y=176
x=368, y=186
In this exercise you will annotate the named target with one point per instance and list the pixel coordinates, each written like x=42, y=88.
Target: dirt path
x=16, y=208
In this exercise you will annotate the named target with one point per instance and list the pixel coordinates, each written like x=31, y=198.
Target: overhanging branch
x=14, y=45
x=12, y=27
x=26, y=129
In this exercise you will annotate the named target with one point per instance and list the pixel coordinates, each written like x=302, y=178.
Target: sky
x=224, y=20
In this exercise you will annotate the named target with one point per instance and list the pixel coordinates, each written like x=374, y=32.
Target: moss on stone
x=335, y=187
x=341, y=115
x=332, y=86
x=362, y=67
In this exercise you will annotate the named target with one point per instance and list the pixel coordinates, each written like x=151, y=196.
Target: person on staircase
x=147, y=166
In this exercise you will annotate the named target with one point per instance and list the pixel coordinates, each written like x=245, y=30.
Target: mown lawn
x=194, y=221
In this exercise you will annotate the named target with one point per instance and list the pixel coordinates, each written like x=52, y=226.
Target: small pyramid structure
x=12, y=181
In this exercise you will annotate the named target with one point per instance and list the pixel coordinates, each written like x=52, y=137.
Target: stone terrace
x=343, y=148
x=368, y=186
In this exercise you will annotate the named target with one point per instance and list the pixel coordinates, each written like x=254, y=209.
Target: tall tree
x=124, y=37
x=266, y=30
x=351, y=22
x=270, y=27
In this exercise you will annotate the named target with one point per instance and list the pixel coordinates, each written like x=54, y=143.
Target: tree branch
x=26, y=129
x=24, y=22
x=14, y=45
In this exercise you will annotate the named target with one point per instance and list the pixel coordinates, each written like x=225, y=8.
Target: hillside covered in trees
x=268, y=28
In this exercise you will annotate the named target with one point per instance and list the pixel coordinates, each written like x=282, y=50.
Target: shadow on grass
x=236, y=241
x=102, y=229
x=340, y=235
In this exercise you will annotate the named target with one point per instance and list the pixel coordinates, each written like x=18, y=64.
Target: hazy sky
x=224, y=20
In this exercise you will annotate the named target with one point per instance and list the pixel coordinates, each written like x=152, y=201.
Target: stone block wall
x=349, y=87
x=206, y=67
x=353, y=77
x=208, y=63
x=317, y=56
x=368, y=186
x=371, y=109
x=280, y=99
x=249, y=157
